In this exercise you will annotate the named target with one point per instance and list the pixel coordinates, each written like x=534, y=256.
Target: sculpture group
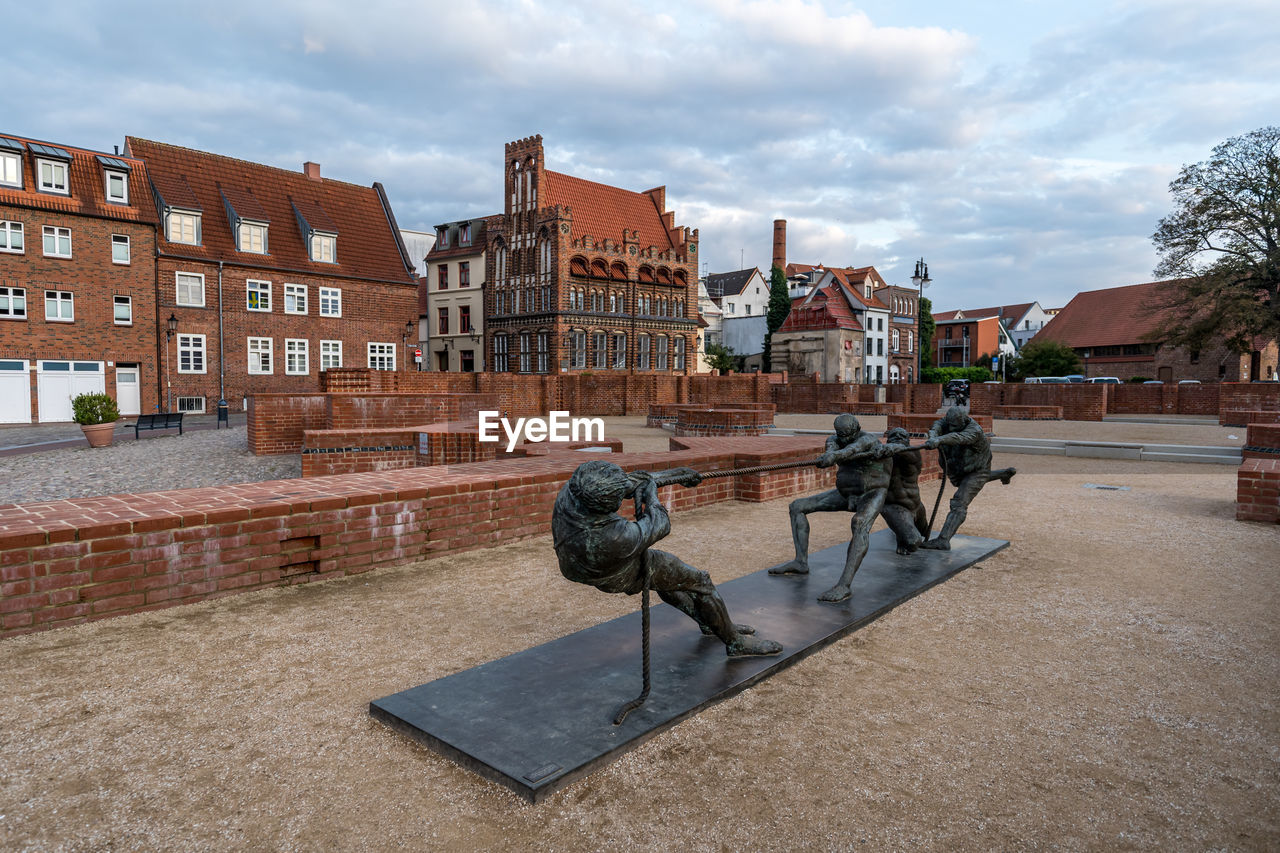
x=597, y=546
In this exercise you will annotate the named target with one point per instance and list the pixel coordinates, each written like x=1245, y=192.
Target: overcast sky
x=1024, y=149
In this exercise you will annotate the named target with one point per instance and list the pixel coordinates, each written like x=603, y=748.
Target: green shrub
x=94, y=409
x=1137, y=380
x=939, y=375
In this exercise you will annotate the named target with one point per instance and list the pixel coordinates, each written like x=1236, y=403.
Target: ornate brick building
x=587, y=277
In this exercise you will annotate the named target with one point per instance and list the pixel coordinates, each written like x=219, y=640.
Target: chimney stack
x=311, y=170
x=780, y=244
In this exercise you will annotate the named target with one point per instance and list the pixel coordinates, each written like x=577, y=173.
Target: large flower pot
x=98, y=435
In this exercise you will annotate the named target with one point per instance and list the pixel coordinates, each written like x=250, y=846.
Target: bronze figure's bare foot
x=908, y=549
x=795, y=567
x=1008, y=475
x=747, y=645
x=737, y=629
x=937, y=544
x=839, y=592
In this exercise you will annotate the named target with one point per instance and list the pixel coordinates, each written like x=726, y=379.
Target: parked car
x=1153, y=382
x=1074, y=377
x=1105, y=380
x=1188, y=381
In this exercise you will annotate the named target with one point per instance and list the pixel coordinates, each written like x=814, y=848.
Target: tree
x=1045, y=358
x=925, y=321
x=721, y=357
x=779, y=308
x=1222, y=244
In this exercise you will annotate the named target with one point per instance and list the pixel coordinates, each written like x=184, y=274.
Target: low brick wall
x=697, y=421
x=861, y=408
x=275, y=422
x=1262, y=441
x=1028, y=413
x=662, y=414
x=356, y=451
x=1258, y=490
x=1079, y=402
x=1244, y=417
x=918, y=424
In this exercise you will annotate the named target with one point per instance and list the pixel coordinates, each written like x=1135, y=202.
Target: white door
x=58, y=381
x=128, y=395
x=15, y=392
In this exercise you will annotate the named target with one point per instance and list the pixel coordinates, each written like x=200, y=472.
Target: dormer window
x=182, y=226
x=442, y=238
x=252, y=237
x=117, y=187
x=11, y=162
x=53, y=177
x=324, y=248
x=464, y=235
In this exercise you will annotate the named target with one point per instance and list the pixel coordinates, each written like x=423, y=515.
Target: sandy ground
x=1110, y=681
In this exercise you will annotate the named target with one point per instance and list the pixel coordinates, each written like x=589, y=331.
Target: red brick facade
x=77, y=311
x=585, y=277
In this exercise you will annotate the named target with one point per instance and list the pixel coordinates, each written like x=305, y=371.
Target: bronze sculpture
x=903, y=510
x=596, y=546
x=862, y=483
x=966, y=460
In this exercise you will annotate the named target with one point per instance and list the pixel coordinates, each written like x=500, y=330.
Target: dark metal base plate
x=542, y=718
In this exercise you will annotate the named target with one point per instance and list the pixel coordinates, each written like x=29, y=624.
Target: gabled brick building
x=587, y=276
x=271, y=276
x=77, y=280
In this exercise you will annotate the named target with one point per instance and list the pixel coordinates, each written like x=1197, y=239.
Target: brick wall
x=276, y=422
x=1259, y=396
x=723, y=421
x=1028, y=413
x=919, y=425
x=1198, y=399
x=354, y=451
x=1258, y=490
x=1244, y=417
x=1262, y=441
x=1079, y=402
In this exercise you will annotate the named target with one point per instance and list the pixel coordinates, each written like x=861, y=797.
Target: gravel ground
x=1110, y=681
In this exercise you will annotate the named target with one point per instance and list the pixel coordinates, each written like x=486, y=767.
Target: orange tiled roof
x=85, y=180
x=1102, y=318
x=823, y=308
x=602, y=211
x=368, y=244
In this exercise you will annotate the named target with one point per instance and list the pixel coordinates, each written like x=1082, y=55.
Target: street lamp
x=921, y=280
x=171, y=328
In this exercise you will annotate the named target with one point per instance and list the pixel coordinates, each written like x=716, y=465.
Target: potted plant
x=97, y=414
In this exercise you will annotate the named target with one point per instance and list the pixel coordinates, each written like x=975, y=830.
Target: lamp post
x=171, y=328
x=921, y=280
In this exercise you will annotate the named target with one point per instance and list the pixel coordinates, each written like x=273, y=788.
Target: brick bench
x=1258, y=491
x=857, y=408
x=917, y=424
x=1027, y=413
x=1244, y=417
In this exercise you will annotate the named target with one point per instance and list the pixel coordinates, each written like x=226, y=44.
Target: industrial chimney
x=780, y=244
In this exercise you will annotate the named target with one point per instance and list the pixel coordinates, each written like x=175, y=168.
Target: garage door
x=15, y=392
x=58, y=381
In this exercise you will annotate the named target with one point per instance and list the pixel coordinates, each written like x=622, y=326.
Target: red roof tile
x=87, y=185
x=1103, y=318
x=823, y=308
x=602, y=211
x=368, y=245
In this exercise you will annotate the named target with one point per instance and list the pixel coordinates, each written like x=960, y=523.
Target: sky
x=1023, y=149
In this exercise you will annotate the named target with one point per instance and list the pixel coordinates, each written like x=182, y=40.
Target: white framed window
x=382, y=356
x=500, y=355
x=182, y=226
x=295, y=299
x=544, y=341
x=324, y=248
x=252, y=237
x=679, y=353
x=13, y=302
x=579, y=348
x=662, y=352
x=11, y=237
x=193, y=405
x=191, y=354
x=642, y=354
x=117, y=184
x=297, y=356
x=260, y=355
x=59, y=306
x=53, y=176
x=330, y=354
x=620, y=351
x=257, y=295
x=526, y=351
x=601, y=341
x=57, y=242
x=10, y=169
x=119, y=248
x=330, y=302
x=123, y=307
x=190, y=289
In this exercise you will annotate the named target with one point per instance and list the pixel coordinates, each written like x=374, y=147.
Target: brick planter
x=918, y=423
x=1244, y=417
x=1262, y=441
x=1028, y=413
x=701, y=421
x=662, y=414
x=1258, y=490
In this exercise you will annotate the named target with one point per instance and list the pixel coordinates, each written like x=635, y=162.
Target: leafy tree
x=1222, y=244
x=1044, y=358
x=779, y=308
x=721, y=357
x=925, y=321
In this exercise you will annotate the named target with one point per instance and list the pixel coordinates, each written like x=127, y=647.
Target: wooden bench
x=163, y=420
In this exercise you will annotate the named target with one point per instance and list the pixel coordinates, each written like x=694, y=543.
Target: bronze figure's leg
x=903, y=525
x=868, y=507
x=964, y=495
x=1004, y=475
x=831, y=501
x=687, y=586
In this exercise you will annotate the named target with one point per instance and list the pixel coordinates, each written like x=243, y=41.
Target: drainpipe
x=222, y=361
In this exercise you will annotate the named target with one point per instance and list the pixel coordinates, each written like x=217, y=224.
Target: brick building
x=271, y=276
x=959, y=340
x=1112, y=331
x=454, y=286
x=77, y=280
x=587, y=277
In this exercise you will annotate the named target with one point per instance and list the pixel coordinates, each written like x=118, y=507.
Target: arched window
x=664, y=275
x=500, y=262
x=578, y=349
x=895, y=342
x=619, y=350
x=680, y=353
x=642, y=352
x=911, y=341
x=613, y=302
x=578, y=266
x=646, y=273
x=500, y=363
x=662, y=343
x=526, y=351
x=600, y=347
x=544, y=255
x=681, y=278
x=544, y=348
x=598, y=269
x=618, y=270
